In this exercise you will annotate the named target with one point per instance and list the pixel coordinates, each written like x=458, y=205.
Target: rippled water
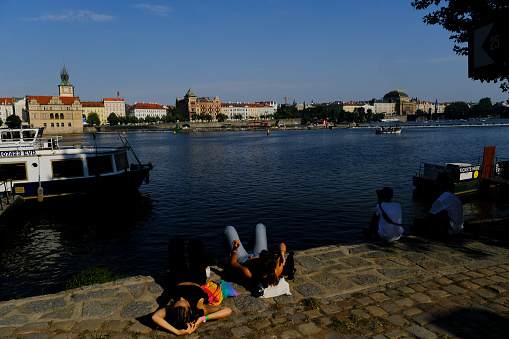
x=310, y=188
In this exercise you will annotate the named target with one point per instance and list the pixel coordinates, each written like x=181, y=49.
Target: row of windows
x=70, y=168
x=44, y=108
x=53, y=116
x=58, y=124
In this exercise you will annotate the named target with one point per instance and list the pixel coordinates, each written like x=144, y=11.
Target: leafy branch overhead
x=459, y=17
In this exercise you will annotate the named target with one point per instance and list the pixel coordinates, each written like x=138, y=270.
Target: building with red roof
x=143, y=110
x=192, y=105
x=96, y=107
x=114, y=105
x=61, y=113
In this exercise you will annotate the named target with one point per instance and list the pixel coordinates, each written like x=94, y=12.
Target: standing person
x=258, y=267
x=386, y=222
x=186, y=309
x=446, y=214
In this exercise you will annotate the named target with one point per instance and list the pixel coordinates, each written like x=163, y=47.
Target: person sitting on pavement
x=186, y=309
x=260, y=267
x=446, y=214
x=386, y=222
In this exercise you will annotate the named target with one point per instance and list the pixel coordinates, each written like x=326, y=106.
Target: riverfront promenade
x=412, y=288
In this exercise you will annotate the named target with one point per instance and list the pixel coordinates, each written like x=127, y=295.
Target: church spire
x=64, y=76
x=65, y=88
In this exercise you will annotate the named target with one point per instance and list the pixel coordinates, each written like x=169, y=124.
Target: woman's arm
x=217, y=312
x=158, y=318
x=241, y=270
x=281, y=260
x=211, y=312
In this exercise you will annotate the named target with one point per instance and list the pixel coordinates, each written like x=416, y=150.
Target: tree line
x=311, y=114
x=484, y=108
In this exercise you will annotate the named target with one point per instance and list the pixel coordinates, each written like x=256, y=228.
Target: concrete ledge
x=412, y=287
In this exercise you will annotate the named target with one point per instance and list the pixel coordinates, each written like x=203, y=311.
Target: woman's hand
x=191, y=327
x=236, y=244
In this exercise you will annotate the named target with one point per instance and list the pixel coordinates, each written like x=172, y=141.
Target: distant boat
x=388, y=130
x=390, y=120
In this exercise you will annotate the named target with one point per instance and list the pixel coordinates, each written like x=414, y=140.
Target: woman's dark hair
x=179, y=317
x=269, y=262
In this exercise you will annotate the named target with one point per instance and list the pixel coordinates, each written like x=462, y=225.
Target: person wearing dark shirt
x=186, y=309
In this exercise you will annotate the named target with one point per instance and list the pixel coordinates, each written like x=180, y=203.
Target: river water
x=309, y=187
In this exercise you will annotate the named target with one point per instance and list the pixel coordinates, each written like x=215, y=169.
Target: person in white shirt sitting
x=386, y=222
x=446, y=214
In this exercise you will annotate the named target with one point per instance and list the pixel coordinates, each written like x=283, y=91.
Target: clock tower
x=65, y=88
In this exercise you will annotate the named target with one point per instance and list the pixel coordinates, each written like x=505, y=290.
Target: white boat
x=390, y=120
x=33, y=166
x=388, y=130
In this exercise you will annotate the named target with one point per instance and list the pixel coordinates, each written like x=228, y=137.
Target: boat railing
x=5, y=193
x=50, y=142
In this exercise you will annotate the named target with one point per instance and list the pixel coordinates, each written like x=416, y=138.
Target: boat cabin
x=20, y=135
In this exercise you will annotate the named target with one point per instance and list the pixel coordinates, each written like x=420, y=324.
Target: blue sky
x=247, y=50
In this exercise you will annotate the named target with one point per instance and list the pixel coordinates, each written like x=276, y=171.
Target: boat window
x=29, y=135
x=121, y=161
x=69, y=168
x=6, y=135
x=14, y=171
x=99, y=165
x=16, y=135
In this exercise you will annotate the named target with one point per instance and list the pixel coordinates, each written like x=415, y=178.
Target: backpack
x=289, y=268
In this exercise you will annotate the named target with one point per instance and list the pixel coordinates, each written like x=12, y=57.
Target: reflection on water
x=310, y=188
x=44, y=244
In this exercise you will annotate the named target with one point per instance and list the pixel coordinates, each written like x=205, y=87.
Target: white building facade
x=6, y=108
x=114, y=105
x=144, y=110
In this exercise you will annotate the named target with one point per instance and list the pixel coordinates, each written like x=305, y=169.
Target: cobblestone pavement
x=413, y=288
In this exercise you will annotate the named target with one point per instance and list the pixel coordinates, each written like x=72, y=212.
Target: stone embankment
x=412, y=288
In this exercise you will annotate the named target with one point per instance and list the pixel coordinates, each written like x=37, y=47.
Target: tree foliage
x=93, y=119
x=459, y=17
x=113, y=119
x=221, y=117
x=457, y=110
x=13, y=121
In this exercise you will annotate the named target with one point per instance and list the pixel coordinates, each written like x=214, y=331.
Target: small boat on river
x=388, y=130
x=33, y=166
x=466, y=177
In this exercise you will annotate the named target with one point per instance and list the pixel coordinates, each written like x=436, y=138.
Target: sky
x=241, y=51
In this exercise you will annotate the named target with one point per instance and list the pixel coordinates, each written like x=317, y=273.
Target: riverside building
x=6, y=108
x=94, y=107
x=143, y=110
x=192, y=105
x=114, y=105
x=60, y=113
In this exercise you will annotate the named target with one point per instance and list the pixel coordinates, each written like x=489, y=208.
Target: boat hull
x=113, y=184
x=463, y=187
